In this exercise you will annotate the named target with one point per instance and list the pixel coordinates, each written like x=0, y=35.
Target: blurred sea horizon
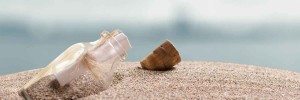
x=23, y=51
x=33, y=34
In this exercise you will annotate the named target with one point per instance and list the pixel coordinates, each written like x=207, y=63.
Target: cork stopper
x=162, y=58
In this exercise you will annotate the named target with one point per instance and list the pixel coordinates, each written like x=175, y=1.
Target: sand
x=189, y=80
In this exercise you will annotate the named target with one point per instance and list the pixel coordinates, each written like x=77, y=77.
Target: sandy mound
x=206, y=80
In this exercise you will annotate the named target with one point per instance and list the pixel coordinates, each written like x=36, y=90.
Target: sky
x=152, y=11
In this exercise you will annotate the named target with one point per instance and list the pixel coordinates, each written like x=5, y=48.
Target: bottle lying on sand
x=100, y=57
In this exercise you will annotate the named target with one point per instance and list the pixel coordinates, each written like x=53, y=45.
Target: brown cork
x=162, y=58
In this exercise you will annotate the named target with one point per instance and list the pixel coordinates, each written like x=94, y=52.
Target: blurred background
x=256, y=32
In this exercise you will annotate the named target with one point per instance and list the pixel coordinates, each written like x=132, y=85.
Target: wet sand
x=189, y=80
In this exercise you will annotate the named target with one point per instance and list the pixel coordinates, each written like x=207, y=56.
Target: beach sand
x=189, y=80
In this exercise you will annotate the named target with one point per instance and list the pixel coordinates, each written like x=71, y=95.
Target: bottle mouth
x=120, y=43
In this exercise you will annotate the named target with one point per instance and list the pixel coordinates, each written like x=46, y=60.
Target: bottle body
x=100, y=60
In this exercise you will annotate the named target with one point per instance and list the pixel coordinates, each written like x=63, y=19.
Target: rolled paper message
x=162, y=58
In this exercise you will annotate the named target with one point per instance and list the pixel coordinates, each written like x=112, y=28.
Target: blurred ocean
x=33, y=34
x=266, y=45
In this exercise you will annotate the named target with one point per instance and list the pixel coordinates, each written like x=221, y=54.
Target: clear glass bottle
x=100, y=57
